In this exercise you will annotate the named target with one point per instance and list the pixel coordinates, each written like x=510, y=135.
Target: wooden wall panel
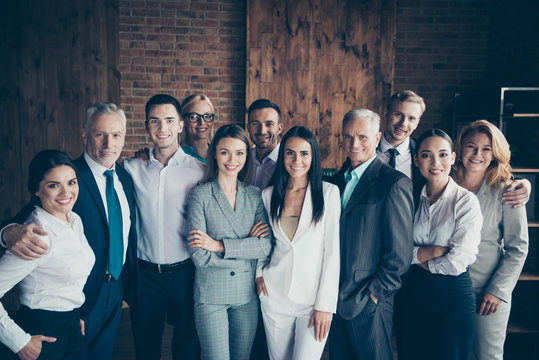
x=57, y=58
x=319, y=59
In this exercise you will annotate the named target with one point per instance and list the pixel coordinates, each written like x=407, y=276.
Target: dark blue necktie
x=393, y=157
x=116, y=242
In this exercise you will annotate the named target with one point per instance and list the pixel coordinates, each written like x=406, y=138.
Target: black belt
x=163, y=268
x=106, y=277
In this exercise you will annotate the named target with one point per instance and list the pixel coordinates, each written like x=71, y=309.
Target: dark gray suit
x=376, y=250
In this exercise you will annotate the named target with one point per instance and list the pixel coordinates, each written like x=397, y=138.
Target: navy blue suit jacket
x=90, y=208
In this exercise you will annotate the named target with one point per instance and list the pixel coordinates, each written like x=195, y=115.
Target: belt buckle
x=108, y=278
x=159, y=269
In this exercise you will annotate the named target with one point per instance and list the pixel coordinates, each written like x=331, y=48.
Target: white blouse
x=52, y=282
x=453, y=221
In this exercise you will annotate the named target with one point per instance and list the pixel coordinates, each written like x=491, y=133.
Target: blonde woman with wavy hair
x=482, y=167
x=198, y=116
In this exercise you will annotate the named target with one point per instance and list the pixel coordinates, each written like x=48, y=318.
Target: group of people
x=229, y=241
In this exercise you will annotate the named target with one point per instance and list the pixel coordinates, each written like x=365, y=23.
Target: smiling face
x=360, y=140
x=164, y=125
x=477, y=153
x=297, y=157
x=200, y=129
x=401, y=120
x=58, y=191
x=264, y=128
x=230, y=155
x=434, y=159
x=104, y=138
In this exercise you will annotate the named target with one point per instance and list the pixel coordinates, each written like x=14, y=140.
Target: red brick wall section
x=441, y=47
x=181, y=47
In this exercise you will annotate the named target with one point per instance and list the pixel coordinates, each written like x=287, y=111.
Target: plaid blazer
x=229, y=277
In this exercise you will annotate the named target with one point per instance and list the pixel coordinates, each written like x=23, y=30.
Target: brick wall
x=181, y=47
x=441, y=47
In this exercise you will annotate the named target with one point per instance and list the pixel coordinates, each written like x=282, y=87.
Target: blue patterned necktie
x=116, y=242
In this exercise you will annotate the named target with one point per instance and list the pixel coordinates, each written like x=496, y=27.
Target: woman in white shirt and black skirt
x=438, y=299
x=49, y=325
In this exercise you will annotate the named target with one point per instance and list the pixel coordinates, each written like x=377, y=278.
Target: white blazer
x=306, y=269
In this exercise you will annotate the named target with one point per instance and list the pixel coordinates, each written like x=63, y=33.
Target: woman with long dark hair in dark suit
x=298, y=285
x=228, y=233
x=51, y=286
x=438, y=318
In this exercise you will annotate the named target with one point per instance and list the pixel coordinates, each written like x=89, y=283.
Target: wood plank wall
x=319, y=59
x=57, y=58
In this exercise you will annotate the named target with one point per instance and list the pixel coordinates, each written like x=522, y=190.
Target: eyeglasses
x=195, y=117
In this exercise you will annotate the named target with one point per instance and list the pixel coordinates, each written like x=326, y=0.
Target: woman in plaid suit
x=228, y=233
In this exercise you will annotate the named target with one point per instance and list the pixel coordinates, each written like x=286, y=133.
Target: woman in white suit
x=482, y=167
x=298, y=283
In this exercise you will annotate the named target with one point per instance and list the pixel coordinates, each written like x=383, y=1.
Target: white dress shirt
x=403, y=161
x=98, y=171
x=454, y=221
x=161, y=194
x=52, y=282
x=263, y=171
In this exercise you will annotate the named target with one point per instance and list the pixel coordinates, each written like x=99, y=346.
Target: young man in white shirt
x=162, y=185
x=264, y=125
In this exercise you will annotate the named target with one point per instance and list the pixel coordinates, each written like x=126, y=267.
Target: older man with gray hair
x=106, y=207
x=376, y=243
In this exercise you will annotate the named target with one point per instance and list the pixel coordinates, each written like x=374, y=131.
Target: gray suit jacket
x=376, y=237
x=503, y=247
x=227, y=278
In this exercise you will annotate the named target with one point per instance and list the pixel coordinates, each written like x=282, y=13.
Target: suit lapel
x=87, y=177
x=230, y=215
x=364, y=184
x=305, y=218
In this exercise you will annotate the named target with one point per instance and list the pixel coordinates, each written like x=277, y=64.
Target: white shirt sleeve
x=12, y=270
x=464, y=241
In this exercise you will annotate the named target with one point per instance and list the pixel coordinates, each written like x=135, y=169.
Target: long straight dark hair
x=281, y=176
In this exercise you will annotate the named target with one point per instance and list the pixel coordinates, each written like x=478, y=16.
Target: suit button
x=232, y=273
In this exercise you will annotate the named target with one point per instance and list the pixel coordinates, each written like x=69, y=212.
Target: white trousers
x=287, y=333
x=490, y=333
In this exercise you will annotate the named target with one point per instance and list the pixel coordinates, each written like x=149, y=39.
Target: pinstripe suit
x=226, y=310
x=376, y=249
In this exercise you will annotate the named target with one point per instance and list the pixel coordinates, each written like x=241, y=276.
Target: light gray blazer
x=503, y=247
x=227, y=278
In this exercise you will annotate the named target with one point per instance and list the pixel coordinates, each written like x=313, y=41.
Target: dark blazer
x=90, y=208
x=417, y=179
x=376, y=237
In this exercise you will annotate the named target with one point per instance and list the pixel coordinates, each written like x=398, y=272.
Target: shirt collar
x=361, y=168
x=273, y=155
x=402, y=148
x=96, y=168
x=52, y=221
x=449, y=191
x=178, y=156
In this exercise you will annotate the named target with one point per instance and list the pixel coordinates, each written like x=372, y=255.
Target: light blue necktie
x=351, y=182
x=116, y=242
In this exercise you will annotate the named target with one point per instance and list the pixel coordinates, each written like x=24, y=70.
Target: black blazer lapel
x=87, y=177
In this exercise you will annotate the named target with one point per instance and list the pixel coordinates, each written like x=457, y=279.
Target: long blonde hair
x=186, y=104
x=499, y=171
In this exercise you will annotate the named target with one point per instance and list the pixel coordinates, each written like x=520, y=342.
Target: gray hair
x=102, y=108
x=359, y=113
